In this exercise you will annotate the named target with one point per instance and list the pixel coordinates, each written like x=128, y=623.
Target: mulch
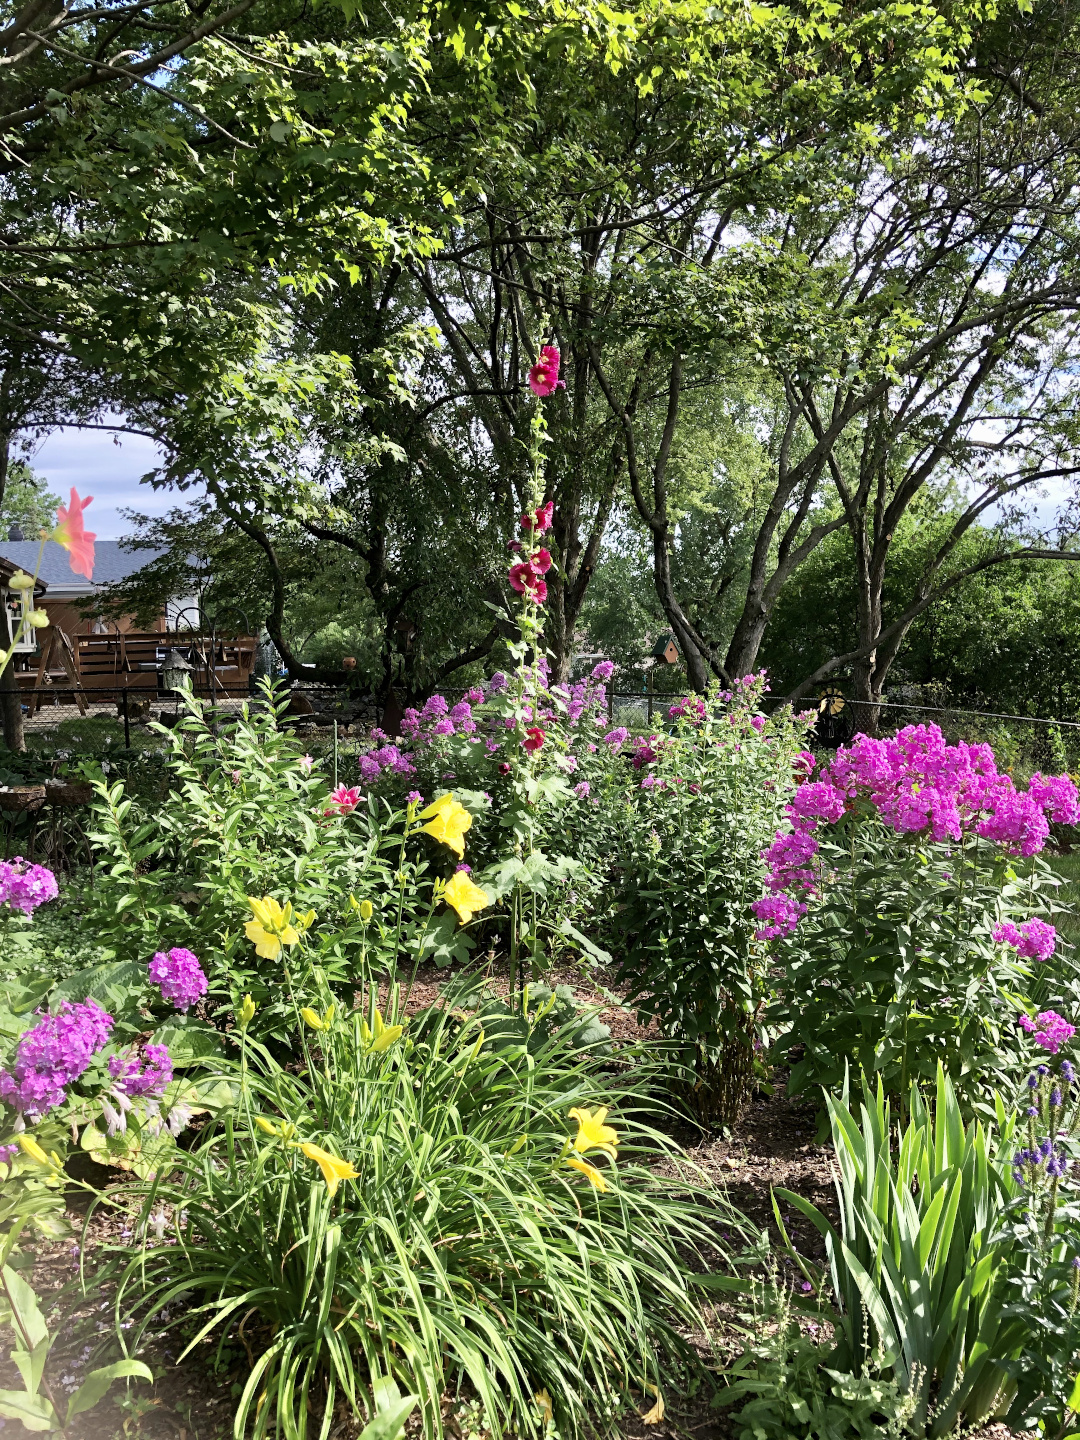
x=774, y=1145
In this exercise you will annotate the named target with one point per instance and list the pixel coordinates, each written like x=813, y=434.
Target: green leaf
x=97, y=1383
x=34, y=1411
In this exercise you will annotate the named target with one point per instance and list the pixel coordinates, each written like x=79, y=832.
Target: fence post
x=127, y=719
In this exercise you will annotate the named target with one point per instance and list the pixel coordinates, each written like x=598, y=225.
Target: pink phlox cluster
x=385, y=758
x=1032, y=939
x=53, y=1054
x=616, y=737
x=581, y=789
x=803, y=766
x=1048, y=1029
x=179, y=975
x=918, y=782
x=779, y=913
x=24, y=886
x=757, y=722
x=691, y=706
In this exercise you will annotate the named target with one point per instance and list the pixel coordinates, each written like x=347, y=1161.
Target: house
x=69, y=594
x=101, y=658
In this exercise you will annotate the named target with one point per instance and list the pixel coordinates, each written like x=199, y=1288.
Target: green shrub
x=469, y=1248
x=697, y=814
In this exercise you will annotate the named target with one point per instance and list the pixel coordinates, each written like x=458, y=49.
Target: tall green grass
x=466, y=1252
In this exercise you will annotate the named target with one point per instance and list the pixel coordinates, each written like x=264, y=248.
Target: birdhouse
x=176, y=672
x=665, y=650
x=14, y=606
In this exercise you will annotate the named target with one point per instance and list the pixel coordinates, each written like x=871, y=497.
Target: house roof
x=111, y=564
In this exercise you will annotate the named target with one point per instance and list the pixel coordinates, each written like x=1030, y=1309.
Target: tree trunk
x=11, y=712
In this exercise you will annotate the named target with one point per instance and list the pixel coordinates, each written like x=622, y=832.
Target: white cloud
x=108, y=466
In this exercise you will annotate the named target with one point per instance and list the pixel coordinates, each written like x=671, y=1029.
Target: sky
x=107, y=466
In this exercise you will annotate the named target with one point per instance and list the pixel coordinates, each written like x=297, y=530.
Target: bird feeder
x=175, y=671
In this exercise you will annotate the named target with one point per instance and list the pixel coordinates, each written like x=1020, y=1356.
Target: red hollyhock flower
x=541, y=520
x=542, y=561
x=544, y=375
x=534, y=738
x=526, y=579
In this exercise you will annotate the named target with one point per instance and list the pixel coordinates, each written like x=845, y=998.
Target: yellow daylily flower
x=593, y=1134
x=465, y=897
x=316, y=1021
x=542, y=1401
x=447, y=821
x=591, y=1173
x=246, y=1013
x=382, y=1037
x=274, y=926
x=333, y=1169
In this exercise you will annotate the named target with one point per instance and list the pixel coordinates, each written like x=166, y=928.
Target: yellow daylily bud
x=21, y=581
x=366, y=910
x=311, y=1018
x=30, y=1146
x=383, y=1036
x=246, y=1012
x=333, y=1169
x=267, y=1126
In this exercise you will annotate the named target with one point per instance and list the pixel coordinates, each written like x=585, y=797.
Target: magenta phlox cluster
x=24, y=886
x=817, y=800
x=779, y=915
x=1048, y=1029
x=179, y=975
x=617, y=737
x=921, y=785
x=53, y=1054
x=142, y=1076
x=1032, y=939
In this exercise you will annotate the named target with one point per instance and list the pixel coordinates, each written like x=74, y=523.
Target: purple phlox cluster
x=779, y=915
x=581, y=789
x=24, y=886
x=1046, y=1153
x=817, y=800
x=386, y=758
x=618, y=736
x=1048, y=1029
x=143, y=1078
x=757, y=722
x=180, y=976
x=8, y=1153
x=1032, y=939
x=790, y=857
x=53, y=1054
x=803, y=766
